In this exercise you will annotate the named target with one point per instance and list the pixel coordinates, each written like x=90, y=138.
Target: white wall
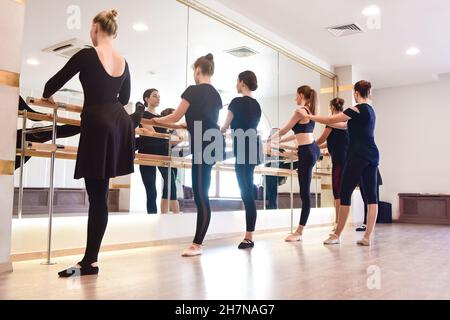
x=412, y=131
x=11, y=26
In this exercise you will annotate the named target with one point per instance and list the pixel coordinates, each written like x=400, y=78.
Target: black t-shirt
x=337, y=143
x=246, y=115
x=204, y=106
x=150, y=145
x=361, y=128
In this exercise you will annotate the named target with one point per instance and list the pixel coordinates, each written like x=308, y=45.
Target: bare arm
x=227, y=122
x=326, y=133
x=341, y=117
x=296, y=117
x=175, y=116
x=323, y=145
x=339, y=125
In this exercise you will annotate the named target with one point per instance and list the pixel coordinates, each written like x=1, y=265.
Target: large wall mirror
x=161, y=58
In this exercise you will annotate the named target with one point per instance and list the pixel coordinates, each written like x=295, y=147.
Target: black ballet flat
x=246, y=244
x=84, y=270
x=136, y=117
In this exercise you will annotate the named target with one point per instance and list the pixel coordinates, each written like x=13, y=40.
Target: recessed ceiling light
x=372, y=10
x=140, y=27
x=413, y=51
x=33, y=62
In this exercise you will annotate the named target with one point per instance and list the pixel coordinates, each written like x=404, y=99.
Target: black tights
x=148, y=175
x=244, y=174
x=364, y=197
x=97, y=190
x=307, y=158
x=201, y=180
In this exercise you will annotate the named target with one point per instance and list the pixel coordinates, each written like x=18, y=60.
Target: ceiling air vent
x=68, y=49
x=242, y=52
x=345, y=30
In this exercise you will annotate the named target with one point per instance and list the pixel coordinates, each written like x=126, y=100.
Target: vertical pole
x=292, y=194
x=22, y=163
x=51, y=191
x=169, y=172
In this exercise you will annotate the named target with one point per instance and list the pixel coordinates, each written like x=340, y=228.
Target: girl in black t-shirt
x=244, y=114
x=156, y=146
x=335, y=138
x=201, y=105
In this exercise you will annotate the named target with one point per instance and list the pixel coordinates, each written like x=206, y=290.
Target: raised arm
x=339, y=125
x=227, y=122
x=341, y=117
x=296, y=117
x=72, y=67
x=175, y=116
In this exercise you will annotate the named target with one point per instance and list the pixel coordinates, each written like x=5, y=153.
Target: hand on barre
x=49, y=99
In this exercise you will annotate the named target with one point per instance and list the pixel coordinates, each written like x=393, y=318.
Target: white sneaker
x=293, y=238
x=192, y=251
x=333, y=239
x=363, y=242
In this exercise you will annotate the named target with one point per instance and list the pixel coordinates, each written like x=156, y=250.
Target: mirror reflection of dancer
x=201, y=104
x=362, y=161
x=244, y=113
x=335, y=138
x=156, y=146
x=308, y=150
x=107, y=140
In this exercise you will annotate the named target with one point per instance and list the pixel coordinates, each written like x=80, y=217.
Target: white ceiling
x=379, y=55
x=162, y=49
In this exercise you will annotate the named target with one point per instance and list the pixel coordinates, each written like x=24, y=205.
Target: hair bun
x=113, y=14
x=209, y=56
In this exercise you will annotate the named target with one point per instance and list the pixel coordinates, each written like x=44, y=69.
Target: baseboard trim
x=137, y=245
x=6, y=267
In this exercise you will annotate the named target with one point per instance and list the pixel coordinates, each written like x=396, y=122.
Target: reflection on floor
x=412, y=262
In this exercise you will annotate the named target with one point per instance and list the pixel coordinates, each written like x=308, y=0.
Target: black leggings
x=97, y=190
x=201, y=180
x=244, y=174
x=358, y=169
x=364, y=197
x=337, y=180
x=148, y=175
x=307, y=158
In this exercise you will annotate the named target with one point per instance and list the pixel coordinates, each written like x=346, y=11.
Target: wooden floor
x=413, y=260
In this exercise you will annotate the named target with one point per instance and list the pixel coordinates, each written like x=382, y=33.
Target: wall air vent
x=68, y=49
x=345, y=30
x=242, y=52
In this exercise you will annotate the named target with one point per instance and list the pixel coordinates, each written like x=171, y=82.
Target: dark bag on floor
x=384, y=212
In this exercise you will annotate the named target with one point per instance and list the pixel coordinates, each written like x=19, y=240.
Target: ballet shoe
x=293, y=238
x=136, y=117
x=363, y=242
x=79, y=270
x=246, y=244
x=333, y=239
x=192, y=251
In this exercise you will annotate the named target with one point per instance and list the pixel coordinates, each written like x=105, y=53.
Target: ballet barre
x=51, y=147
x=56, y=105
x=50, y=118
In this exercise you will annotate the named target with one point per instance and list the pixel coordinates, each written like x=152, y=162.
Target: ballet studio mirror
x=161, y=39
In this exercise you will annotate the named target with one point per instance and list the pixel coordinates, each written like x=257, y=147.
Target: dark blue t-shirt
x=337, y=143
x=361, y=128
